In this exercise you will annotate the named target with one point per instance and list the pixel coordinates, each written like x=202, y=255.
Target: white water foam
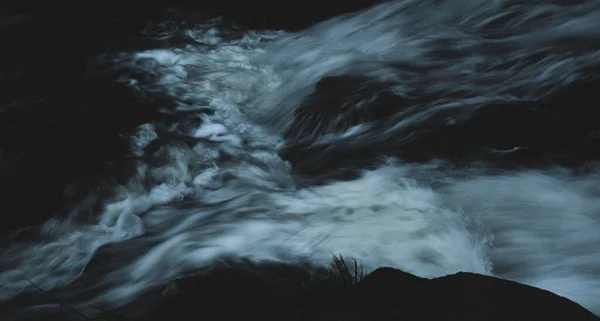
x=240, y=197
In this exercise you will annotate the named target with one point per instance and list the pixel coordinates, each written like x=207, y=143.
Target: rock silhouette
x=284, y=292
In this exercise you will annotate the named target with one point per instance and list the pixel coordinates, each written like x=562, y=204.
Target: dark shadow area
x=243, y=290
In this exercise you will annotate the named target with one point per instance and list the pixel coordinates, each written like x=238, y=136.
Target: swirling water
x=216, y=181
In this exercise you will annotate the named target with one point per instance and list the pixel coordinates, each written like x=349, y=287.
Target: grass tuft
x=346, y=274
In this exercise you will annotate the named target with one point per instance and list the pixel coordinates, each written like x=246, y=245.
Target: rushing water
x=218, y=179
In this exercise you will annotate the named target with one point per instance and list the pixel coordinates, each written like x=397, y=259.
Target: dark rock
x=237, y=290
x=556, y=130
x=340, y=103
x=274, y=292
x=469, y=296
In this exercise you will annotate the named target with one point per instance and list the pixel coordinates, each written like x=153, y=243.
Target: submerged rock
x=554, y=130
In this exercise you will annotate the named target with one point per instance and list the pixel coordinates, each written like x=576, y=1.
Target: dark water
x=432, y=136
